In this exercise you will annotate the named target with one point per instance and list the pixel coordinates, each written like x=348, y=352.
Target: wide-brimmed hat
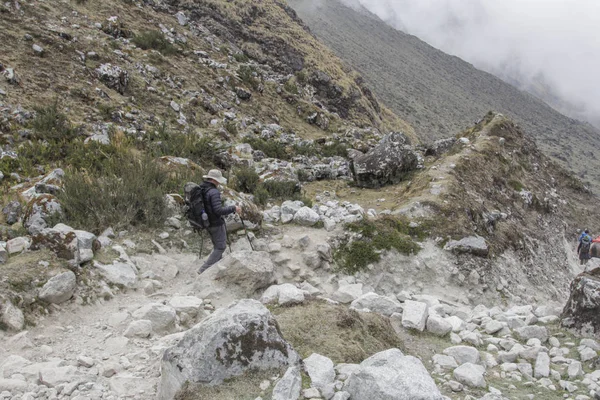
x=216, y=175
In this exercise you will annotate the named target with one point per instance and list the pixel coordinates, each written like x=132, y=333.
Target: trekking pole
x=246, y=230
x=201, y=244
x=227, y=238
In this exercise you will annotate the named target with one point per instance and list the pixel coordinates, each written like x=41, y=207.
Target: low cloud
x=552, y=44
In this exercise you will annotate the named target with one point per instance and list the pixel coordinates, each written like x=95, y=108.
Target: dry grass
x=245, y=387
x=343, y=335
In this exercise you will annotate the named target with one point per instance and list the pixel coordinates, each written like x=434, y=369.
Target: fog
x=552, y=46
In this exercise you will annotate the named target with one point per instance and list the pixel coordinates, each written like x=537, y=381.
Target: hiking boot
x=201, y=270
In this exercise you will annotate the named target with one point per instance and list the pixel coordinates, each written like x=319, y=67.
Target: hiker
x=215, y=211
x=583, y=249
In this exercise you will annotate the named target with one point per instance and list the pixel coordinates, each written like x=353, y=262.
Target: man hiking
x=215, y=212
x=583, y=249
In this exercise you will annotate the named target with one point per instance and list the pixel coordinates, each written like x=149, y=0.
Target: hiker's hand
x=238, y=210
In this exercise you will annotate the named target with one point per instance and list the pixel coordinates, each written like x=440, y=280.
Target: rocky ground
x=111, y=348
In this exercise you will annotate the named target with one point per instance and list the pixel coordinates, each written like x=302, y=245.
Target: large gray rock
x=386, y=163
x=438, y=325
x=11, y=317
x=162, y=317
x=376, y=303
x=12, y=212
x=320, y=370
x=62, y=243
x=289, y=209
x=542, y=366
x=347, y=293
x=243, y=336
x=532, y=331
x=141, y=328
x=59, y=288
x=288, y=387
x=113, y=76
x=414, y=315
x=18, y=244
x=463, y=354
x=284, y=295
x=582, y=311
x=120, y=274
x=471, y=375
x=392, y=375
x=475, y=245
x=249, y=271
x=306, y=217
x=190, y=305
x=38, y=211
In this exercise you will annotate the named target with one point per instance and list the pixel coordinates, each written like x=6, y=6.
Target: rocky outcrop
x=582, y=311
x=392, y=375
x=387, y=163
x=243, y=336
x=38, y=211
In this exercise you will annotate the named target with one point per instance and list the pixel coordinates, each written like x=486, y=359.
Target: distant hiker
x=583, y=249
x=215, y=212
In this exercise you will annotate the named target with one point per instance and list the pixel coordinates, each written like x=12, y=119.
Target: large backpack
x=195, y=208
x=586, y=242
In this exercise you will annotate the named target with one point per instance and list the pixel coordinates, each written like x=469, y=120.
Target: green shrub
x=335, y=149
x=303, y=175
x=383, y=234
x=261, y=195
x=249, y=76
x=271, y=148
x=301, y=76
x=241, y=57
x=52, y=125
x=516, y=185
x=356, y=256
x=246, y=180
x=290, y=87
x=106, y=111
x=129, y=191
x=231, y=127
x=283, y=190
x=154, y=40
x=305, y=149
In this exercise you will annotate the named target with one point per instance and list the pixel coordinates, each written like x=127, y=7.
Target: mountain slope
x=440, y=94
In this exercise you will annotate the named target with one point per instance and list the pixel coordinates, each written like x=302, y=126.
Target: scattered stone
x=463, y=354
x=347, y=293
x=113, y=77
x=18, y=245
x=38, y=50
x=542, y=366
x=11, y=317
x=414, y=315
x=375, y=303
x=288, y=387
x=59, y=288
x=162, y=317
x=320, y=370
x=392, y=375
x=471, y=375
x=475, y=245
x=438, y=325
x=306, y=217
x=141, y=328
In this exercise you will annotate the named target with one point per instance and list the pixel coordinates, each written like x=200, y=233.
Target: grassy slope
x=440, y=94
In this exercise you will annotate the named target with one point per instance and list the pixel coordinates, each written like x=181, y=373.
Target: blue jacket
x=214, y=205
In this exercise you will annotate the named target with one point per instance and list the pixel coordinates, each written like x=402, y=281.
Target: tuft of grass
x=244, y=387
x=231, y=127
x=515, y=185
x=291, y=87
x=345, y=336
x=241, y=57
x=386, y=233
x=106, y=111
x=271, y=148
x=164, y=142
x=154, y=40
x=52, y=125
x=249, y=76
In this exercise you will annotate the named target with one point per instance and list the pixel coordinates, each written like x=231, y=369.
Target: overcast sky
x=521, y=39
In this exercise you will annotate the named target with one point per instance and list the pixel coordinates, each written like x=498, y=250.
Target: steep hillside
x=440, y=94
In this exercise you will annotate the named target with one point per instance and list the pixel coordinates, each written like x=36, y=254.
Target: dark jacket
x=214, y=205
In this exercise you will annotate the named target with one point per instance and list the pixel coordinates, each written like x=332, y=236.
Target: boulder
x=59, y=288
x=306, y=217
x=438, y=325
x=289, y=209
x=186, y=304
x=392, y=375
x=38, y=210
x=320, y=370
x=284, y=295
x=376, y=303
x=249, y=271
x=288, y=387
x=463, y=354
x=475, y=245
x=414, y=315
x=118, y=273
x=63, y=244
x=12, y=212
x=252, y=215
x=347, y=293
x=471, y=375
x=11, y=317
x=141, y=328
x=18, y=245
x=542, y=366
x=386, y=163
x=162, y=317
x=532, y=331
x=241, y=337
x=114, y=77
x=582, y=311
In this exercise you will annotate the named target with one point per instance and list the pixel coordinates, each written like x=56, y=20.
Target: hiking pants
x=218, y=236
